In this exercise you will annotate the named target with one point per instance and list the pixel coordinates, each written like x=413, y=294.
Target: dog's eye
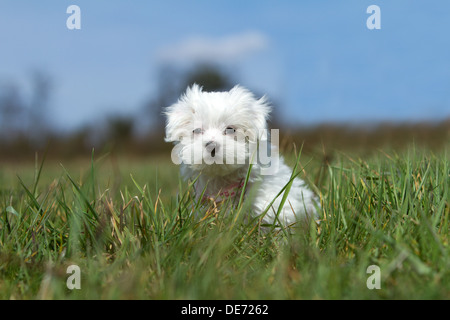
x=229, y=130
x=197, y=131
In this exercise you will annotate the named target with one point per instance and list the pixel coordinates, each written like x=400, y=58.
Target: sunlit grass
x=128, y=226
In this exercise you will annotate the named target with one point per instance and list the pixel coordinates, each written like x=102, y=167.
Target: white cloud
x=204, y=49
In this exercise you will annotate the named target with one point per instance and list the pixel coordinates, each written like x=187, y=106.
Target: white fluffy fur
x=200, y=117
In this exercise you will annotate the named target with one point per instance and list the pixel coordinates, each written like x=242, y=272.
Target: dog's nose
x=211, y=147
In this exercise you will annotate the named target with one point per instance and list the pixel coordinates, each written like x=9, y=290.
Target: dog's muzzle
x=211, y=147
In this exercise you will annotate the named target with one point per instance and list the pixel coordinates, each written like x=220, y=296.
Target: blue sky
x=316, y=59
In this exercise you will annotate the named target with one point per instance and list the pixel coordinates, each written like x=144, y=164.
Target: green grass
x=127, y=225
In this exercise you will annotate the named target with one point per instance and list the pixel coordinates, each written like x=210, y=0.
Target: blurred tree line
x=25, y=128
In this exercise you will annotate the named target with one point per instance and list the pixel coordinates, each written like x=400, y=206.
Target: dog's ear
x=262, y=115
x=172, y=118
x=258, y=108
x=179, y=115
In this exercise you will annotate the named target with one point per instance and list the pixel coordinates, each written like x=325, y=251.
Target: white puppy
x=217, y=136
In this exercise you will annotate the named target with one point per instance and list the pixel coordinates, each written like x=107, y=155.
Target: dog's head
x=212, y=128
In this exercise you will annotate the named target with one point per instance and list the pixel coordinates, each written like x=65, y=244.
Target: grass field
x=126, y=223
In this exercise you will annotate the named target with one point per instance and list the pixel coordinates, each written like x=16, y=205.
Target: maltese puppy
x=218, y=137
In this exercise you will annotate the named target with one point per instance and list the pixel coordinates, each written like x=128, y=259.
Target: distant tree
x=210, y=77
x=12, y=109
x=168, y=83
x=38, y=110
x=173, y=82
x=120, y=129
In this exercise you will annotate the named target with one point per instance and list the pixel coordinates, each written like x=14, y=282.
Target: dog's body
x=217, y=136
